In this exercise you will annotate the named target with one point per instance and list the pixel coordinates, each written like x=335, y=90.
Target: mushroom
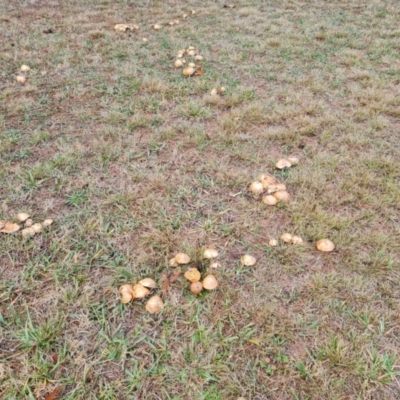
x=325, y=245
x=139, y=291
x=294, y=160
x=196, y=287
x=20, y=79
x=148, y=283
x=47, y=222
x=215, y=265
x=191, y=52
x=145, y=40
x=25, y=68
x=248, y=260
x=297, y=240
x=27, y=232
x=283, y=163
x=198, y=57
x=222, y=89
x=192, y=275
x=29, y=223
x=126, y=292
x=178, y=63
x=281, y=186
x=270, y=200
x=210, y=282
x=267, y=180
x=273, y=243
x=214, y=92
x=22, y=217
x=157, y=27
x=172, y=262
x=286, y=237
x=182, y=258
x=188, y=71
x=38, y=227
x=154, y=304
x=282, y=195
x=256, y=187
x=210, y=253
x=9, y=227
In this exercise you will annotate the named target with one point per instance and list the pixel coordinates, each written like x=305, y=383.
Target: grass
x=135, y=163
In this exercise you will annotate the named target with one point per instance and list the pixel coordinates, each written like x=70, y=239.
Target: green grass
x=134, y=163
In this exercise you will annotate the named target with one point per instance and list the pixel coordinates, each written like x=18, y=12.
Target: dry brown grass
x=135, y=163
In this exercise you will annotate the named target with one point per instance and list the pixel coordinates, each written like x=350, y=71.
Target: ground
x=135, y=162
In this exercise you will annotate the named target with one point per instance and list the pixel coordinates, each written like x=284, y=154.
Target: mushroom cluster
x=193, y=275
x=139, y=291
x=30, y=228
x=126, y=27
x=191, y=67
x=21, y=78
x=273, y=192
x=289, y=238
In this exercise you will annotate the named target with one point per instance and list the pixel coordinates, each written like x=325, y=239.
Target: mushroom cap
x=29, y=223
x=188, y=71
x=27, y=232
x=196, y=287
x=248, y=260
x=193, y=275
x=325, y=245
x=272, y=188
x=125, y=288
x=22, y=216
x=283, y=163
x=270, y=200
x=148, y=283
x=294, y=160
x=172, y=262
x=38, y=227
x=47, y=222
x=281, y=187
x=157, y=27
x=191, y=48
x=126, y=292
x=210, y=282
x=154, y=304
x=198, y=57
x=182, y=258
x=214, y=92
x=139, y=291
x=191, y=52
x=215, y=265
x=20, y=79
x=178, y=63
x=282, y=195
x=256, y=188
x=210, y=253
x=297, y=240
x=267, y=181
x=9, y=227
x=273, y=242
x=25, y=68
x=286, y=237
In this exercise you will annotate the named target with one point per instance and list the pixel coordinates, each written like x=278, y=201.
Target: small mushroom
x=210, y=253
x=281, y=186
x=121, y=27
x=145, y=40
x=148, y=283
x=282, y=195
x=267, y=181
x=191, y=52
x=286, y=237
x=182, y=258
x=325, y=245
x=27, y=232
x=273, y=243
x=157, y=27
x=25, y=68
x=198, y=57
x=139, y=291
x=196, y=287
x=154, y=304
x=215, y=265
x=248, y=260
x=256, y=188
x=297, y=240
x=191, y=48
x=214, y=92
x=47, y=222
x=283, y=163
x=22, y=216
x=188, y=71
x=172, y=262
x=270, y=200
x=210, y=282
x=38, y=227
x=28, y=223
x=126, y=292
x=20, y=79
x=178, y=63
x=192, y=275
x=222, y=89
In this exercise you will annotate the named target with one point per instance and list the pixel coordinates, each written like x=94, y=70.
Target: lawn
x=135, y=162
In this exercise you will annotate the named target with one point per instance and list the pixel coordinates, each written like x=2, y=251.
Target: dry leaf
x=10, y=227
x=200, y=71
x=54, y=358
x=165, y=285
x=54, y=394
x=174, y=277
